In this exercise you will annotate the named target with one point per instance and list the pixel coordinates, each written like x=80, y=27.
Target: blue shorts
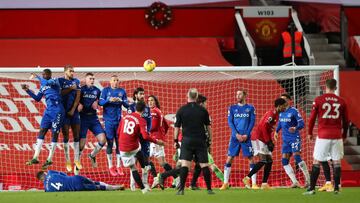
x=84, y=184
x=111, y=130
x=91, y=123
x=291, y=146
x=53, y=119
x=145, y=148
x=74, y=120
x=235, y=145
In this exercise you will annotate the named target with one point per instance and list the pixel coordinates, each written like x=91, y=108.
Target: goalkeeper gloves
x=270, y=146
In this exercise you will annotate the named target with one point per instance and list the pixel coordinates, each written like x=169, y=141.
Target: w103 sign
x=268, y=11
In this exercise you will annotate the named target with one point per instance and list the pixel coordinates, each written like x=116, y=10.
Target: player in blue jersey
x=89, y=120
x=53, y=116
x=56, y=181
x=112, y=99
x=241, y=120
x=291, y=122
x=70, y=91
x=139, y=95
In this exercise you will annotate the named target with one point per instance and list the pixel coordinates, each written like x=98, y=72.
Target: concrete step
x=352, y=159
x=325, y=47
x=352, y=150
x=313, y=41
x=340, y=62
x=333, y=55
x=351, y=141
x=355, y=166
x=315, y=36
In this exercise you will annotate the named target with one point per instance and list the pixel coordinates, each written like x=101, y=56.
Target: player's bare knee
x=101, y=138
x=203, y=165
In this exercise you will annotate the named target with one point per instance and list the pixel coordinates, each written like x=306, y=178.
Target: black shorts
x=188, y=153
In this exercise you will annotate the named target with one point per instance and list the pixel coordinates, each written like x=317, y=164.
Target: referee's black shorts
x=190, y=151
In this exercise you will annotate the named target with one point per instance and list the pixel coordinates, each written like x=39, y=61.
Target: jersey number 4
x=129, y=127
x=329, y=109
x=56, y=185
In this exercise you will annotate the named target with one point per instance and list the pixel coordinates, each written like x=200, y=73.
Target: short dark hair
x=87, y=74
x=40, y=174
x=286, y=95
x=331, y=84
x=243, y=91
x=279, y=101
x=157, y=103
x=47, y=71
x=114, y=76
x=201, y=99
x=140, y=106
x=67, y=66
x=136, y=91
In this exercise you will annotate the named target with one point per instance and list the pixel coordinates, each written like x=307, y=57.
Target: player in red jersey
x=333, y=123
x=159, y=128
x=263, y=145
x=132, y=126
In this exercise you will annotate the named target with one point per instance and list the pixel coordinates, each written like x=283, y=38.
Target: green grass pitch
x=350, y=195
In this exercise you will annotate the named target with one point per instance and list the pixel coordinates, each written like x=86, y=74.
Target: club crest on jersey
x=94, y=92
x=289, y=115
x=120, y=95
x=247, y=110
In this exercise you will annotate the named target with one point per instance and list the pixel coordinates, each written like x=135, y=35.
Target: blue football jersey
x=56, y=181
x=88, y=96
x=146, y=114
x=290, y=118
x=50, y=89
x=69, y=99
x=241, y=119
x=112, y=110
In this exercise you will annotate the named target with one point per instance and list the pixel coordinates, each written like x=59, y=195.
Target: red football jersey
x=157, y=118
x=132, y=126
x=332, y=115
x=266, y=126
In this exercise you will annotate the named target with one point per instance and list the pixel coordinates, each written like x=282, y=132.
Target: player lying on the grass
x=70, y=92
x=112, y=99
x=333, y=123
x=263, y=144
x=53, y=115
x=56, y=181
x=241, y=120
x=132, y=127
x=89, y=120
x=291, y=122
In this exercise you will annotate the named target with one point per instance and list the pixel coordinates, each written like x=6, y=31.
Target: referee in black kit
x=193, y=119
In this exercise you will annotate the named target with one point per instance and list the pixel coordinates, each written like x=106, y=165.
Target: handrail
x=250, y=44
x=307, y=48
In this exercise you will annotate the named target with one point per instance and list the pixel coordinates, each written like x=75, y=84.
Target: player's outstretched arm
x=31, y=93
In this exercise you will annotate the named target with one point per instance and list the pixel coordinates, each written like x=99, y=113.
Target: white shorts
x=260, y=148
x=325, y=148
x=128, y=158
x=156, y=150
